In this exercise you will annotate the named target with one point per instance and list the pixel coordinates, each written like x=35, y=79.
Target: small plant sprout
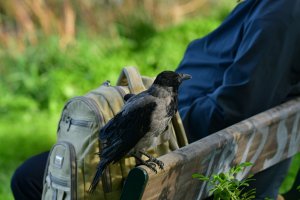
x=226, y=187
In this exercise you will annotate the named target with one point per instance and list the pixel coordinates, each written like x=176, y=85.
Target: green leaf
x=223, y=176
x=200, y=177
x=246, y=164
x=250, y=176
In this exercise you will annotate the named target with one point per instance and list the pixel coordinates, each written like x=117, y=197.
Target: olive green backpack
x=72, y=161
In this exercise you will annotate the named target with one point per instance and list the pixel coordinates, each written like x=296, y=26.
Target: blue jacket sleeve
x=257, y=78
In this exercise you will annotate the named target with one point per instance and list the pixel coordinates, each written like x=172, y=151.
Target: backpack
x=73, y=160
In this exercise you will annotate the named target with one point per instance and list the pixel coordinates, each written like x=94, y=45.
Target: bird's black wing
x=131, y=108
x=125, y=130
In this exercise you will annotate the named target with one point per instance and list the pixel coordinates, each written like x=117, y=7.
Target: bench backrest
x=263, y=140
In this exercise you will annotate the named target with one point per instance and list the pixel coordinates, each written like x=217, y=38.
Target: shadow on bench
x=264, y=140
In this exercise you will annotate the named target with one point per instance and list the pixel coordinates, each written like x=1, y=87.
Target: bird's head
x=171, y=79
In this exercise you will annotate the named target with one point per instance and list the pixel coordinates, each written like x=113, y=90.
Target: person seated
x=249, y=64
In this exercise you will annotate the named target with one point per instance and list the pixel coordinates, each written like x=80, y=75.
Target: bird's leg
x=153, y=159
x=150, y=165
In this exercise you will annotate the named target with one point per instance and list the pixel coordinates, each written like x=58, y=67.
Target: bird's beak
x=184, y=77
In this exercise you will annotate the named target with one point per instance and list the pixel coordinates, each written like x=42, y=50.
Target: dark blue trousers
x=27, y=181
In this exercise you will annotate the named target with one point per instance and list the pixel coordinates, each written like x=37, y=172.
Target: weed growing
x=225, y=186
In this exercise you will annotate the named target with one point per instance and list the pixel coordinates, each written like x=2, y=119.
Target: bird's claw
x=151, y=162
x=153, y=159
x=151, y=165
x=157, y=162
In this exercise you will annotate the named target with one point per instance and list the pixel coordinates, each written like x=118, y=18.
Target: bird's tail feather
x=102, y=165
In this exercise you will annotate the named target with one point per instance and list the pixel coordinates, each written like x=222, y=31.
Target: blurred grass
x=37, y=81
x=21, y=138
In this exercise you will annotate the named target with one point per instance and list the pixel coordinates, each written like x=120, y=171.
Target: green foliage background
x=36, y=82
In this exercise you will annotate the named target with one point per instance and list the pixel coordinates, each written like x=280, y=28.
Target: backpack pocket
x=80, y=124
x=61, y=176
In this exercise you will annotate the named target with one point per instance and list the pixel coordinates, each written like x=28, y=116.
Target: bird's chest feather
x=161, y=116
x=166, y=106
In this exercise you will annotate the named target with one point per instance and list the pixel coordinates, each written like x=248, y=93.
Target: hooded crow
x=143, y=117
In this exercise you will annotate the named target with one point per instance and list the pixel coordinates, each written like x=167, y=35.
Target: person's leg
x=268, y=182
x=27, y=181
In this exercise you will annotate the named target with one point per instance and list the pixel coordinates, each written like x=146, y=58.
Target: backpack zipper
x=93, y=106
x=83, y=123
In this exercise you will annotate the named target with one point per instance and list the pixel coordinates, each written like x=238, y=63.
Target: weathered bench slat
x=263, y=140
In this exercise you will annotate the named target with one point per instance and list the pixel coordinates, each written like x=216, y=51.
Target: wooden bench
x=264, y=140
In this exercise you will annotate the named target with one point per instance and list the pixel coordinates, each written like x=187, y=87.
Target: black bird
x=143, y=117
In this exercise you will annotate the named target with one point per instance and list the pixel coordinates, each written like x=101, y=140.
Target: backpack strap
x=130, y=76
x=179, y=131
